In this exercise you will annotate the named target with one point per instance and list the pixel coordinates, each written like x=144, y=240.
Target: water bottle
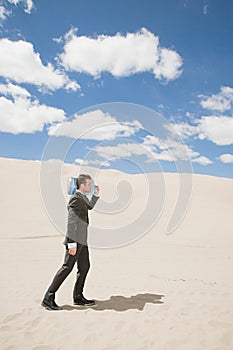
x=71, y=185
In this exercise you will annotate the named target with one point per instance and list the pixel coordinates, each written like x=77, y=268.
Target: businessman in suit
x=76, y=245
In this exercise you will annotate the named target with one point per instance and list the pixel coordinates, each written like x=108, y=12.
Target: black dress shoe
x=51, y=305
x=80, y=300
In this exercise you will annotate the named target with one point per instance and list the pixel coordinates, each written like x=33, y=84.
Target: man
x=76, y=244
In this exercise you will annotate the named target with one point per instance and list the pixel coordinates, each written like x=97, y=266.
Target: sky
x=129, y=85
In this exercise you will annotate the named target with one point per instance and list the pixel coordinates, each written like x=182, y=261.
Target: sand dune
x=160, y=292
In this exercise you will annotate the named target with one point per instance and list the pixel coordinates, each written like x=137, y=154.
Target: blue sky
x=58, y=59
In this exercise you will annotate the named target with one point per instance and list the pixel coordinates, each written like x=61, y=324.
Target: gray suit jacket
x=78, y=221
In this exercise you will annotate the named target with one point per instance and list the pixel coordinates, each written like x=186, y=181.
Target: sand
x=160, y=292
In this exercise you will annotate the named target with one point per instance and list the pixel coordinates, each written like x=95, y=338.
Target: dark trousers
x=83, y=265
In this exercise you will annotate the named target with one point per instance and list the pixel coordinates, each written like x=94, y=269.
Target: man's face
x=87, y=186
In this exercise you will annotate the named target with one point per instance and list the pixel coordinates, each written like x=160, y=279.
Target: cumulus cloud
x=13, y=90
x=28, y=4
x=6, y=8
x=168, y=65
x=168, y=149
x=95, y=125
x=89, y=162
x=217, y=129
x=202, y=160
x=79, y=161
x=226, y=158
x=72, y=85
x=21, y=64
x=4, y=13
x=120, y=55
x=122, y=150
x=21, y=114
x=183, y=129
x=153, y=148
x=219, y=102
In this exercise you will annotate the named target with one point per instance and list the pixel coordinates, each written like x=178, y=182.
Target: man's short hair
x=81, y=179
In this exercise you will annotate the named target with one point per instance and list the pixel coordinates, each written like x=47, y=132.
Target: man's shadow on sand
x=121, y=303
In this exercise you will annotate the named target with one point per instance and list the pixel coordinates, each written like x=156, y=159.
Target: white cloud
x=94, y=162
x=6, y=6
x=72, y=85
x=168, y=149
x=216, y=129
x=205, y=9
x=120, y=55
x=226, y=158
x=4, y=13
x=168, y=65
x=95, y=125
x=154, y=141
x=23, y=115
x=183, y=129
x=13, y=90
x=28, y=4
x=122, y=150
x=152, y=148
x=58, y=40
x=219, y=102
x=79, y=161
x=29, y=7
x=20, y=63
x=202, y=160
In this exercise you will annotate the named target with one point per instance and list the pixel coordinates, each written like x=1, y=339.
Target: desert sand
x=160, y=292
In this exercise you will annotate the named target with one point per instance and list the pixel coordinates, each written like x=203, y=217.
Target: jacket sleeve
x=69, y=240
x=91, y=203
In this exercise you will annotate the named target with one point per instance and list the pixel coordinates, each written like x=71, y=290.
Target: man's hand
x=96, y=190
x=72, y=251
